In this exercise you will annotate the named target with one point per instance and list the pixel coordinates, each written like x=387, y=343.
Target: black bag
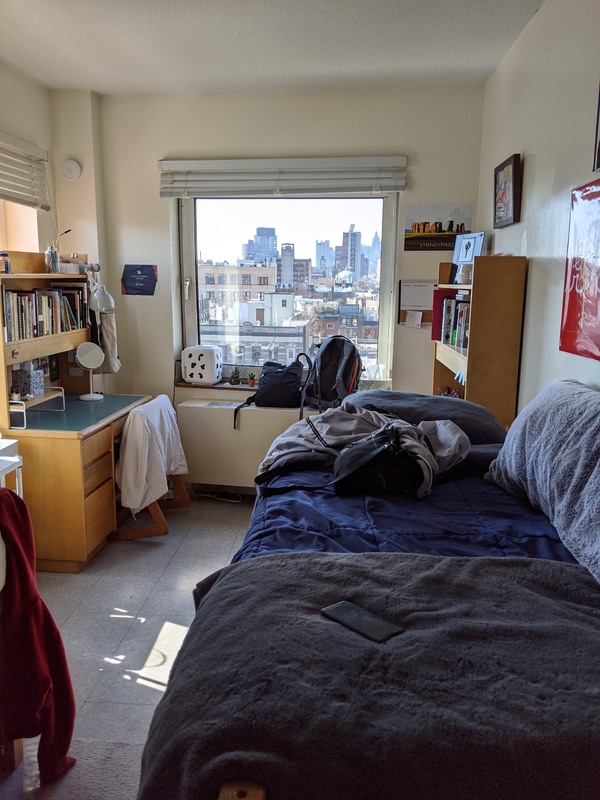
x=376, y=465
x=335, y=373
x=279, y=386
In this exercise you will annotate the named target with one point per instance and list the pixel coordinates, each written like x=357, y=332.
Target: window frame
x=388, y=285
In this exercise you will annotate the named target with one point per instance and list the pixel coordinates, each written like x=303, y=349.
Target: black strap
x=247, y=402
x=340, y=386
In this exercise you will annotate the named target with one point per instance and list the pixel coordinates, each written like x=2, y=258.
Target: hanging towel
x=108, y=336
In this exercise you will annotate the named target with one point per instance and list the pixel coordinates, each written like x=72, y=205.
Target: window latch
x=186, y=288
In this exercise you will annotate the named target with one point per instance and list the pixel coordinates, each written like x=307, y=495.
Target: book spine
x=447, y=319
x=461, y=313
x=6, y=315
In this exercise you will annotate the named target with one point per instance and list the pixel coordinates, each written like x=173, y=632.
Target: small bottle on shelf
x=4, y=262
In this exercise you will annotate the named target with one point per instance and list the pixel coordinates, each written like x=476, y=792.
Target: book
x=70, y=320
x=52, y=309
x=447, y=319
x=462, y=311
x=76, y=293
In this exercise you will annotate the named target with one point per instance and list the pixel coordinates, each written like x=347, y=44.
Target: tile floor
x=123, y=617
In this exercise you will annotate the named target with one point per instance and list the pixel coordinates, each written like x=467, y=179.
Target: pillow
x=552, y=456
x=476, y=421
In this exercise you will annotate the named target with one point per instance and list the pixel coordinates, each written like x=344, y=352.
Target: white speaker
x=202, y=365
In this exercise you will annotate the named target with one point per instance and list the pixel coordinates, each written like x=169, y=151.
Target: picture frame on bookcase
x=508, y=186
x=466, y=248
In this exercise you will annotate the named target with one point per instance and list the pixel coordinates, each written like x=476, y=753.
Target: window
x=330, y=245
x=344, y=236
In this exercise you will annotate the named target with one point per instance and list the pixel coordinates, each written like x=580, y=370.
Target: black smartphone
x=361, y=621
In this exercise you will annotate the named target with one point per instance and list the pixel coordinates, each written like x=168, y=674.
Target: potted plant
x=251, y=378
x=234, y=376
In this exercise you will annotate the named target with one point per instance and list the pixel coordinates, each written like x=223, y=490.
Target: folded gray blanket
x=491, y=691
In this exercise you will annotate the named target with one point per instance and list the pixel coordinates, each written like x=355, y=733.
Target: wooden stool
x=160, y=527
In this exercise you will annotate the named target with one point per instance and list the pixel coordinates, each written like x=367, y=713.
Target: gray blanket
x=491, y=691
x=552, y=456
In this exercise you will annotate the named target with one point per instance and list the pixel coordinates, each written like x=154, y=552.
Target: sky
x=224, y=225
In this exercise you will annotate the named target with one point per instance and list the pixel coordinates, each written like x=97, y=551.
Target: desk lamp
x=101, y=301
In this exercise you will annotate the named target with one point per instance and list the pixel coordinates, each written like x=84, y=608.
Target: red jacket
x=36, y=695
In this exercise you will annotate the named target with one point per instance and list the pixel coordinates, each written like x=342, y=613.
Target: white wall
x=542, y=103
x=138, y=131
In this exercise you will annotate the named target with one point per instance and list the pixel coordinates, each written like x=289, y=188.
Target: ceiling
x=200, y=46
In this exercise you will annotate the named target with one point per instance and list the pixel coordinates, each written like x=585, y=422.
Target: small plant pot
x=251, y=381
x=234, y=381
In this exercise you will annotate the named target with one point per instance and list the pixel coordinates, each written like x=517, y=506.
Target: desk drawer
x=99, y=515
x=95, y=446
x=97, y=472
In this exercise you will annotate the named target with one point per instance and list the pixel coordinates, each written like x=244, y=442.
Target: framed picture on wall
x=508, y=181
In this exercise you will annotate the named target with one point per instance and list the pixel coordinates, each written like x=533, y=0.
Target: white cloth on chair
x=151, y=449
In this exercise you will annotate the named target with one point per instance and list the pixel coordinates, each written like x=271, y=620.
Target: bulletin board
x=415, y=302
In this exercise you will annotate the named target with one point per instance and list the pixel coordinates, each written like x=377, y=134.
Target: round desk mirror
x=90, y=356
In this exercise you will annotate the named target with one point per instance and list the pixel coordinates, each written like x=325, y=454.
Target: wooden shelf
x=29, y=273
x=490, y=365
x=27, y=349
x=455, y=358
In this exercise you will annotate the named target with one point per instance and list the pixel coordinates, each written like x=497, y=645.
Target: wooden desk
x=68, y=477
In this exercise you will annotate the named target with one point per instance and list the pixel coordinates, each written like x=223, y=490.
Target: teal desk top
x=78, y=414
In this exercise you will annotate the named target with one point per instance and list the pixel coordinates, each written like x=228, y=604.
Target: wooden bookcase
x=28, y=272
x=490, y=364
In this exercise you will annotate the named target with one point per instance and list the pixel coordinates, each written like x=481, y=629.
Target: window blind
x=23, y=173
x=290, y=177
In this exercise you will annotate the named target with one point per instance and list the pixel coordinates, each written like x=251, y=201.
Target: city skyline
x=223, y=226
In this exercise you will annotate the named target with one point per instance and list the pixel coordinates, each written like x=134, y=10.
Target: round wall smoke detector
x=71, y=170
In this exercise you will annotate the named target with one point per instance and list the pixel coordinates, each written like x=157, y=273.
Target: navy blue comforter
x=464, y=517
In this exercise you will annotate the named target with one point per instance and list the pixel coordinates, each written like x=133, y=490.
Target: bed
x=491, y=690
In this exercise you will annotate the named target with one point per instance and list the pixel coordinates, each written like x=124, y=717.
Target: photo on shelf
x=466, y=248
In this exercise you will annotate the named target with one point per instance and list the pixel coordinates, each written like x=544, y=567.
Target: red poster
x=580, y=325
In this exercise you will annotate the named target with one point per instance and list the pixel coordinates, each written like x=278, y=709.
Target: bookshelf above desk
x=32, y=330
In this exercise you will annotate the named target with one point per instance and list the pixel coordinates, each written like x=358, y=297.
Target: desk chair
x=151, y=459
